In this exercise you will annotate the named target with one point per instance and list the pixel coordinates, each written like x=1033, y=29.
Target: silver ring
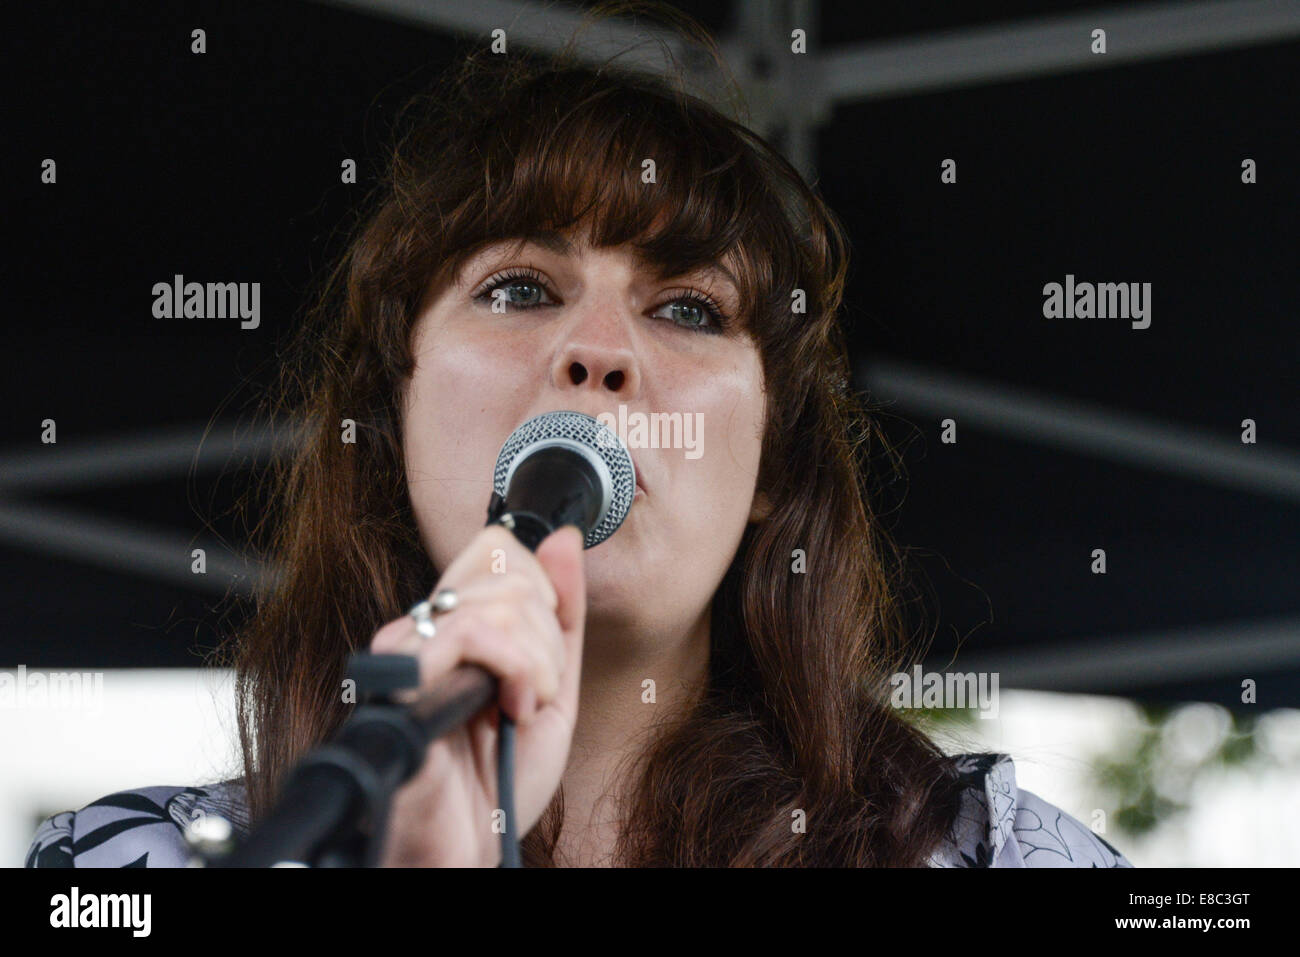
x=446, y=600
x=421, y=612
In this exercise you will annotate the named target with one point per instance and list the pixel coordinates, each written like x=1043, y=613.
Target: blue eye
x=515, y=279
x=708, y=315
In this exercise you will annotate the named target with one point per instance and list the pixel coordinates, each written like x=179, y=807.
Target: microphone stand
x=333, y=809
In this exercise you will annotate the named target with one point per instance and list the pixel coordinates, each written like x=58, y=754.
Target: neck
x=619, y=711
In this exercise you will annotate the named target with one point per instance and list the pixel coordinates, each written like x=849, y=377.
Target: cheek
x=732, y=419
x=741, y=415
x=450, y=372
x=459, y=382
x=449, y=443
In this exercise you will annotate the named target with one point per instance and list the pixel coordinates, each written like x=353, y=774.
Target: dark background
x=225, y=167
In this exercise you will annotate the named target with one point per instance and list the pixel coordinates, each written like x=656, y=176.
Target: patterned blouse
x=999, y=825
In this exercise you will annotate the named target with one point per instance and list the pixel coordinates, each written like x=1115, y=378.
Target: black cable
x=506, y=791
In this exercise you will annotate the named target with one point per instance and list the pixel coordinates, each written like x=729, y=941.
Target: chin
x=611, y=570
x=617, y=575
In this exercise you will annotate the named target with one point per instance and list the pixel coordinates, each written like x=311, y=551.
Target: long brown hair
x=792, y=756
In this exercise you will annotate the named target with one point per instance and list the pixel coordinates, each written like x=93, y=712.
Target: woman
x=706, y=687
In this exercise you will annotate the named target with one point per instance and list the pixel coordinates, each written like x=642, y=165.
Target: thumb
x=560, y=555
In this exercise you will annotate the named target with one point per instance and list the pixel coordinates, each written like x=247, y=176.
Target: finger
x=548, y=638
x=473, y=636
x=509, y=608
x=537, y=631
x=398, y=637
x=561, y=555
x=513, y=586
x=495, y=550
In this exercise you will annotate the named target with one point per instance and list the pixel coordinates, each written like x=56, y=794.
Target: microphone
x=557, y=468
x=562, y=468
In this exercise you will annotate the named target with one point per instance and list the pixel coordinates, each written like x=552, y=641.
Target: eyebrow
x=551, y=241
x=561, y=245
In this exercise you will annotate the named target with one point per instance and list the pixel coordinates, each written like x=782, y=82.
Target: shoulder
x=1002, y=825
x=142, y=827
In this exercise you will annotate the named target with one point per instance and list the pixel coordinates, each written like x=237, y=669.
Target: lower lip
x=640, y=492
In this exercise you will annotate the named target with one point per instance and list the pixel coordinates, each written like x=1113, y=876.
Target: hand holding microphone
x=562, y=481
x=525, y=626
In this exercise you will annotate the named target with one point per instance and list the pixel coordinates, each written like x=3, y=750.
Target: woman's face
x=568, y=327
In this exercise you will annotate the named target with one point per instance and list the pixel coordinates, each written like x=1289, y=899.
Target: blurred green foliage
x=1129, y=777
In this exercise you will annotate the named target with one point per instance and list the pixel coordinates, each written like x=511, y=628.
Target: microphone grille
x=600, y=444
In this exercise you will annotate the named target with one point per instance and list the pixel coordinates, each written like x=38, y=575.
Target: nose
x=598, y=353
